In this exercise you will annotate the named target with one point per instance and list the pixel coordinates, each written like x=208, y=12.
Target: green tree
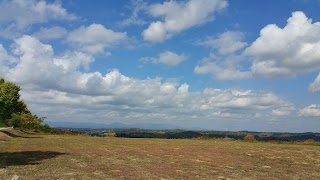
x=14, y=112
x=10, y=101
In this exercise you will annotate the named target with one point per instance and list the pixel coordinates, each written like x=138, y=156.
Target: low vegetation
x=34, y=156
x=187, y=134
x=15, y=113
x=111, y=133
x=249, y=138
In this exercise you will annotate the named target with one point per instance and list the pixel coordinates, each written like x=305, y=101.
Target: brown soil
x=4, y=137
x=83, y=157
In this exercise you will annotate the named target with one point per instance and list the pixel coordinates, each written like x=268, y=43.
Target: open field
x=85, y=157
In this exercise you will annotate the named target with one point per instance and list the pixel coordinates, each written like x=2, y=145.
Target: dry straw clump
x=311, y=142
x=249, y=138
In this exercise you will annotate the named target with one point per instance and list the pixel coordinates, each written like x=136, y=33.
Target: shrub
x=26, y=121
x=111, y=133
x=249, y=138
x=46, y=128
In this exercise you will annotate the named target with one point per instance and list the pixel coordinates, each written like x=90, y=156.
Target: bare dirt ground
x=84, y=157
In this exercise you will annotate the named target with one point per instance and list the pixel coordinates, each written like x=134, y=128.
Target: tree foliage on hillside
x=26, y=121
x=13, y=111
x=10, y=101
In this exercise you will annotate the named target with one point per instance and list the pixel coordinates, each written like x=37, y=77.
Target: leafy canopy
x=10, y=102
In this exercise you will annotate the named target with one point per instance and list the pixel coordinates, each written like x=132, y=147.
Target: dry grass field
x=84, y=157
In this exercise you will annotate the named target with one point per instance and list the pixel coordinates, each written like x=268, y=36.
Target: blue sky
x=214, y=64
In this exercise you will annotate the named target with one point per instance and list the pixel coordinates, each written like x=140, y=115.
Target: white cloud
x=242, y=99
x=135, y=99
x=5, y=58
x=95, y=38
x=315, y=86
x=156, y=32
x=279, y=112
x=226, y=43
x=137, y=6
x=16, y=15
x=72, y=61
x=222, y=114
x=224, y=65
x=168, y=58
x=51, y=33
x=222, y=68
x=277, y=52
x=10, y=31
x=311, y=111
x=56, y=87
x=38, y=65
x=180, y=16
x=25, y=13
x=288, y=51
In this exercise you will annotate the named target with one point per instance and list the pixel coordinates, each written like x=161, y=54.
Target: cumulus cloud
x=33, y=56
x=95, y=38
x=226, y=43
x=315, y=86
x=16, y=15
x=179, y=16
x=168, y=58
x=313, y=110
x=5, y=60
x=55, y=86
x=277, y=52
x=5, y=57
x=145, y=99
x=222, y=68
x=242, y=99
x=51, y=33
x=288, y=51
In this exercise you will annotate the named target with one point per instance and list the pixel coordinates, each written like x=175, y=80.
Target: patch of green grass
x=85, y=157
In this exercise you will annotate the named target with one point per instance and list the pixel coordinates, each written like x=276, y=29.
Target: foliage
x=111, y=133
x=183, y=134
x=47, y=129
x=2, y=124
x=10, y=102
x=14, y=112
x=249, y=138
x=26, y=121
